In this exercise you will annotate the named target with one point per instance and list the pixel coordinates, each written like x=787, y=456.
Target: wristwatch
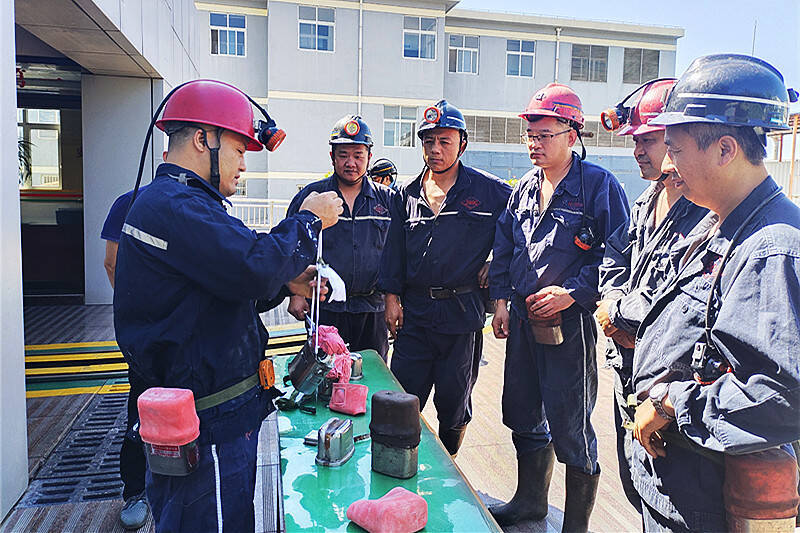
x=657, y=394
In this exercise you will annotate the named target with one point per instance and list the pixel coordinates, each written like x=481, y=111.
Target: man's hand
x=483, y=276
x=647, y=422
x=603, y=319
x=549, y=301
x=327, y=206
x=298, y=307
x=393, y=315
x=501, y=320
x=624, y=339
x=304, y=284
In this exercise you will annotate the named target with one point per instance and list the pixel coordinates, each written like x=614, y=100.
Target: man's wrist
x=659, y=394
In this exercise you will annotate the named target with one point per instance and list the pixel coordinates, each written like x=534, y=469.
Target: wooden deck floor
x=488, y=459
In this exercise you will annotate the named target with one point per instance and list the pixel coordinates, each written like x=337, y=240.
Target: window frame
x=419, y=33
x=588, y=63
x=398, y=126
x=27, y=127
x=520, y=53
x=641, y=52
x=464, y=48
x=316, y=24
x=228, y=27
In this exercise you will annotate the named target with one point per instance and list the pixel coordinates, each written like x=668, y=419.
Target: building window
x=497, y=130
x=399, y=125
x=640, y=65
x=316, y=28
x=589, y=62
x=40, y=129
x=463, y=54
x=596, y=135
x=419, y=37
x=519, y=57
x=227, y=34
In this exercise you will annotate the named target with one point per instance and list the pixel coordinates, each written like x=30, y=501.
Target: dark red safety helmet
x=555, y=100
x=214, y=103
x=650, y=104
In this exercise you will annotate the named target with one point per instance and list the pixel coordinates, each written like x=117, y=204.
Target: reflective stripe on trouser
x=425, y=359
x=559, y=380
x=224, y=481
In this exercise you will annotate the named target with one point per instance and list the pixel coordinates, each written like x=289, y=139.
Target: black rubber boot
x=534, y=471
x=452, y=439
x=581, y=493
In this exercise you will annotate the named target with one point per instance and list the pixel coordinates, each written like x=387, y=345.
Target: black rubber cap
x=395, y=419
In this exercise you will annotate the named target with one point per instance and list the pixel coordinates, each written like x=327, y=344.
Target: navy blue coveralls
x=353, y=247
x=635, y=265
x=535, y=249
x=755, y=327
x=432, y=263
x=187, y=278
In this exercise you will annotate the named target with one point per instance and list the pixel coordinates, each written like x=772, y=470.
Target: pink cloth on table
x=397, y=511
x=349, y=398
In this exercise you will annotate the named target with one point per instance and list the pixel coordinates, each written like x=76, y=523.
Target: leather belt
x=443, y=293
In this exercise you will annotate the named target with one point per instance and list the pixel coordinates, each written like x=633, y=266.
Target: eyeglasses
x=541, y=138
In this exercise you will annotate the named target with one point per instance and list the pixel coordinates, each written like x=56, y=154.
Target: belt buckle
x=432, y=290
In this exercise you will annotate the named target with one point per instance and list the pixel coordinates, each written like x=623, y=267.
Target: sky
x=711, y=26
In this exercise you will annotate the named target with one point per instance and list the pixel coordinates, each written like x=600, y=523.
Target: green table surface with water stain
x=315, y=498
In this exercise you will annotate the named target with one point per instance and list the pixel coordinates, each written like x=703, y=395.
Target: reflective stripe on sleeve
x=144, y=237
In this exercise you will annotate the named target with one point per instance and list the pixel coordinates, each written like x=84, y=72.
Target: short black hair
x=180, y=133
x=704, y=134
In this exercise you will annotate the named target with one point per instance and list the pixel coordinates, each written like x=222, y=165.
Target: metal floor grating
x=85, y=465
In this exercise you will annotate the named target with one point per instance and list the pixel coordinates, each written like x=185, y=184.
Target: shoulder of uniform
x=776, y=231
x=488, y=177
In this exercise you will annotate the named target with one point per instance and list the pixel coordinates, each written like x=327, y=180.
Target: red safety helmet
x=558, y=101
x=650, y=104
x=214, y=103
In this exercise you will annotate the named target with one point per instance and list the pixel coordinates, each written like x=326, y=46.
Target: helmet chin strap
x=214, y=154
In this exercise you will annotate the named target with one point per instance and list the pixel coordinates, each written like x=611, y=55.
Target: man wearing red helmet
x=636, y=261
x=548, y=247
x=187, y=278
x=353, y=247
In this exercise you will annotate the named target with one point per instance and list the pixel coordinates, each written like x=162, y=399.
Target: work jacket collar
x=187, y=177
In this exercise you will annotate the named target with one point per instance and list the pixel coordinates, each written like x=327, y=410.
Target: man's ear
x=728, y=149
x=199, y=140
x=573, y=137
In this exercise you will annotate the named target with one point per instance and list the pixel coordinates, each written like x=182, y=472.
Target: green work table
x=315, y=498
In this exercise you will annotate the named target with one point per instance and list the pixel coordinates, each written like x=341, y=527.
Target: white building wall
x=13, y=423
x=112, y=141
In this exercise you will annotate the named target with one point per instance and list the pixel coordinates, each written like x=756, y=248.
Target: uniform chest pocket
x=566, y=226
x=379, y=228
x=694, y=293
x=418, y=233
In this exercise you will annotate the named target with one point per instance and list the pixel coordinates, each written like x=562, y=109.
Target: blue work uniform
x=636, y=263
x=188, y=275
x=432, y=262
x=535, y=249
x=132, y=463
x=353, y=247
x=755, y=327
